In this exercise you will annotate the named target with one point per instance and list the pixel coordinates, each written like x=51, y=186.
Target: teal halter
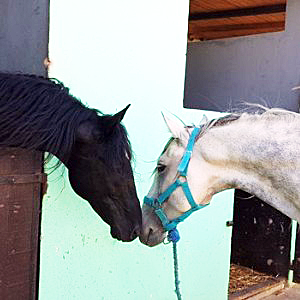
x=181, y=181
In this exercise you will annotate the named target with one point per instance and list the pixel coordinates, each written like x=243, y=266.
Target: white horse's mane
x=261, y=113
x=252, y=113
x=264, y=112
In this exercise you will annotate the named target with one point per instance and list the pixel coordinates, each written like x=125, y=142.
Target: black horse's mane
x=40, y=113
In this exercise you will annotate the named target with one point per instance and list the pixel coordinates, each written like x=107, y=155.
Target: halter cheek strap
x=181, y=181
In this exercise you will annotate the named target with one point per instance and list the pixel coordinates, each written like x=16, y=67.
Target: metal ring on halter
x=166, y=241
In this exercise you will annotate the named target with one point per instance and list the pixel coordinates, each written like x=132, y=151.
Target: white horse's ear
x=204, y=120
x=176, y=127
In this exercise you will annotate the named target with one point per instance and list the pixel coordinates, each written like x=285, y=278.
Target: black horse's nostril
x=135, y=232
x=115, y=233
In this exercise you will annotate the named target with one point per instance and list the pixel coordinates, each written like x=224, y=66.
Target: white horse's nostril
x=148, y=236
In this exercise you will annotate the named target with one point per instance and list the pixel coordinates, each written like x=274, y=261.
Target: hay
x=242, y=278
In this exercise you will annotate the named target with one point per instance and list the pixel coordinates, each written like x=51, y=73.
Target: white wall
x=112, y=53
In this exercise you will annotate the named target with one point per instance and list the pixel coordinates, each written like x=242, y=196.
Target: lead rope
x=173, y=236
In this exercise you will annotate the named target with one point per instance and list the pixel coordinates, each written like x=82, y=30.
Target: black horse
x=40, y=114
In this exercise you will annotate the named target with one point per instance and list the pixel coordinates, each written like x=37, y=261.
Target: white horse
x=258, y=153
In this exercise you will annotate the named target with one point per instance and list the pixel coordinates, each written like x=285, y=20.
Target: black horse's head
x=100, y=172
x=40, y=114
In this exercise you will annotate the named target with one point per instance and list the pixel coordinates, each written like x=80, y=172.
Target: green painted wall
x=112, y=53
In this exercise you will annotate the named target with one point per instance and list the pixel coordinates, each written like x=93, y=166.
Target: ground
x=291, y=293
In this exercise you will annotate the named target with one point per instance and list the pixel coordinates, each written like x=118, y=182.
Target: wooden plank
x=229, y=34
x=19, y=222
x=217, y=5
x=259, y=291
x=252, y=26
x=223, y=31
x=23, y=179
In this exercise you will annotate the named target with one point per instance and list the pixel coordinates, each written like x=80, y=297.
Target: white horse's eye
x=160, y=168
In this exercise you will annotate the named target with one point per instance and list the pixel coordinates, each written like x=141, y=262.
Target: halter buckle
x=166, y=241
x=182, y=178
x=156, y=203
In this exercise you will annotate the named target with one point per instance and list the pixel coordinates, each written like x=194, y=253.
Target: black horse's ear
x=88, y=132
x=114, y=120
x=118, y=117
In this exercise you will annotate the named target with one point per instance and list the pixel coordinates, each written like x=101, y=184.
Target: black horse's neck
x=37, y=113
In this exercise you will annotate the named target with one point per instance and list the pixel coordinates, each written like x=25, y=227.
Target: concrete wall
x=23, y=36
x=263, y=68
x=112, y=53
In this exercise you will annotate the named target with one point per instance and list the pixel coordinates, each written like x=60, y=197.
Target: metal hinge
x=229, y=223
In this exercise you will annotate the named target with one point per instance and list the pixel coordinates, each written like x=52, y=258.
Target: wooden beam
x=218, y=32
x=242, y=12
x=234, y=27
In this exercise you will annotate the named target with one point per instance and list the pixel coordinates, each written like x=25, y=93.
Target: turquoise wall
x=112, y=53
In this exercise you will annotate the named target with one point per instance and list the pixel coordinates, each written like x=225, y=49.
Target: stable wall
x=224, y=74
x=111, y=54
x=263, y=68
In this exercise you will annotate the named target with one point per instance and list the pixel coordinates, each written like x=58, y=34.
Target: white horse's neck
x=259, y=154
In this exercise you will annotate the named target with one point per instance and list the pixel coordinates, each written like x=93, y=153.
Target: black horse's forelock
x=117, y=149
x=39, y=113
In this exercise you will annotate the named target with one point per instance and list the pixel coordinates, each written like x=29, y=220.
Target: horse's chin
x=120, y=235
x=152, y=238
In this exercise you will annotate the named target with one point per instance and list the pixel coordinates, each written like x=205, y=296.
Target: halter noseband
x=181, y=181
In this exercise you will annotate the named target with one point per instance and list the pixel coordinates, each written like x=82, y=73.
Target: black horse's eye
x=160, y=168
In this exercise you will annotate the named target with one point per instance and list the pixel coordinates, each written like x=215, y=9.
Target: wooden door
x=21, y=180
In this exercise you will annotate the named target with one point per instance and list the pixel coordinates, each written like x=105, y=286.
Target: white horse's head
x=166, y=173
x=257, y=153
